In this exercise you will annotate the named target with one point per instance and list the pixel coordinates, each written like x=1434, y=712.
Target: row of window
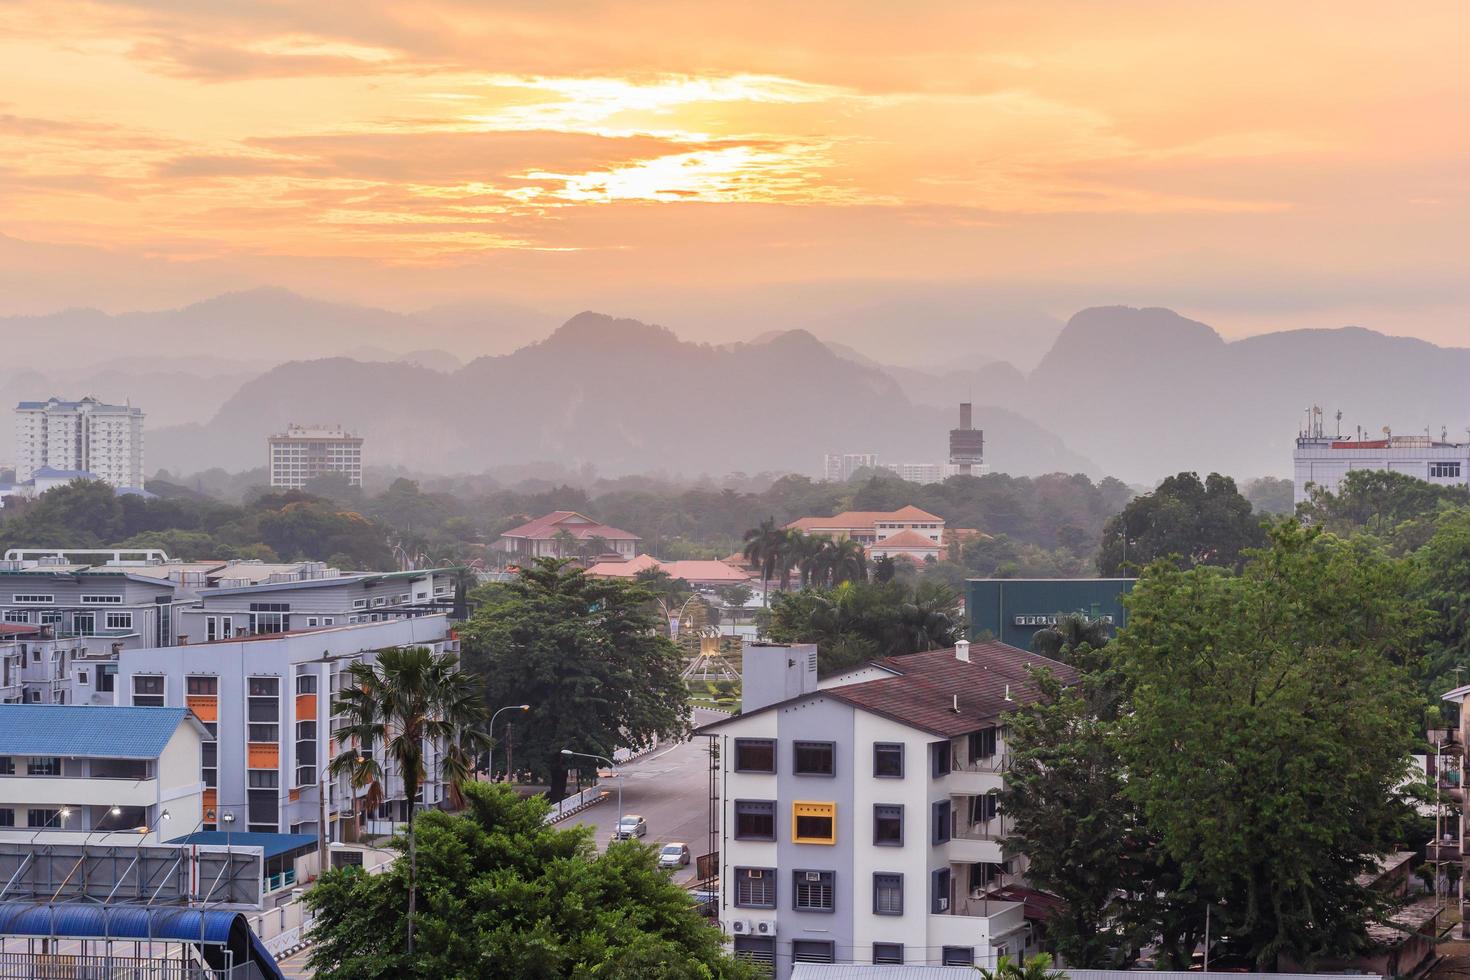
x=83, y=623
x=758, y=755
x=815, y=891
x=35, y=817
x=35, y=766
x=47, y=599
x=816, y=823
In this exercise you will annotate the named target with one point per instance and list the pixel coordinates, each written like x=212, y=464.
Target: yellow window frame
x=812, y=809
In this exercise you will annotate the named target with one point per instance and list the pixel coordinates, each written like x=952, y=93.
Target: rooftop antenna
x=1339, y=423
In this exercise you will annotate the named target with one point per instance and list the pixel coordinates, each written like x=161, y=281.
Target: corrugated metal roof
x=78, y=920
x=98, y=731
x=862, y=971
x=274, y=845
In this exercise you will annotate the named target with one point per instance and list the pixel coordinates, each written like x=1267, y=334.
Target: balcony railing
x=999, y=762
x=995, y=828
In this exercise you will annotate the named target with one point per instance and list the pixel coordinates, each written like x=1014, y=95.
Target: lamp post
x=59, y=816
x=491, y=729
x=617, y=775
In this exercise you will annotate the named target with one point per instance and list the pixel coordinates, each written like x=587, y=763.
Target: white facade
x=301, y=454
x=82, y=436
x=1322, y=461
x=840, y=467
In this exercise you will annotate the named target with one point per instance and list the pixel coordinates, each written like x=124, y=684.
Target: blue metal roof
x=87, y=730
x=49, y=472
x=76, y=920
x=273, y=844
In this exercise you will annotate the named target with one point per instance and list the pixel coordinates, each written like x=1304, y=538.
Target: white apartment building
x=86, y=436
x=266, y=704
x=1324, y=461
x=109, y=775
x=303, y=453
x=859, y=819
x=839, y=467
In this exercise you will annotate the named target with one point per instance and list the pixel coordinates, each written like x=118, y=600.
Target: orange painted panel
x=306, y=707
x=294, y=795
x=210, y=796
x=264, y=755
x=206, y=706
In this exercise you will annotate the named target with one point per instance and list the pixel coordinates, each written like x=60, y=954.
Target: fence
x=576, y=803
x=68, y=966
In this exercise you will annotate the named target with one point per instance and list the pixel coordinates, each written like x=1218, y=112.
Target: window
x=101, y=600
x=887, y=953
x=106, y=678
x=755, y=755
x=147, y=691
x=815, y=758
x=33, y=598
x=82, y=678
x=814, y=823
x=263, y=709
x=205, y=686
x=941, y=821
x=939, y=887
x=7, y=816
x=37, y=817
x=17, y=616
x=263, y=810
x=984, y=808
x=84, y=624
x=50, y=619
x=887, y=894
x=958, y=956
x=38, y=765
x=210, y=765
x=939, y=759
x=756, y=949
x=359, y=603
x=329, y=620
x=755, y=820
x=1444, y=469
x=812, y=951
x=888, y=760
x=118, y=621
x=305, y=752
x=755, y=888
x=263, y=779
x=888, y=825
x=813, y=891
x=305, y=683
x=379, y=601
x=7, y=765
x=983, y=743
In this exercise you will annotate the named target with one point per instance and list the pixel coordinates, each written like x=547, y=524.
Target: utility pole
x=510, y=772
x=321, y=825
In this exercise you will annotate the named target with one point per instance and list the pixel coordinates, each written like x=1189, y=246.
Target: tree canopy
x=1184, y=519
x=585, y=654
x=860, y=621
x=502, y=894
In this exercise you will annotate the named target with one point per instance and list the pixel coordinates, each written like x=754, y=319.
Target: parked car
x=673, y=855
x=632, y=825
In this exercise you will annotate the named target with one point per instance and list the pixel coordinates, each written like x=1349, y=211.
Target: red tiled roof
x=924, y=693
x=18, y=629
x=1036, y=905
x=549, y=525
x=906, y=539
x=690, y=570
x=864, y=519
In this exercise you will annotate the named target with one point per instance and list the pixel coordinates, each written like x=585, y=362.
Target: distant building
x=966, y=444
x=840, y=467
x=1324, y=461
x=86, y=438
x=701, y=574
x=922, y=472
x=303, y=453
x=1013, y=609
x=129, y=775
x=567, y=534
x=869, y=526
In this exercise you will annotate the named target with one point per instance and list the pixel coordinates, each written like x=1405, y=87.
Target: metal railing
x=999, y=762
x=996, y=828
x=73, y=966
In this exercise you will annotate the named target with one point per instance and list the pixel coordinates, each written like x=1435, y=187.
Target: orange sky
x=1258, y=165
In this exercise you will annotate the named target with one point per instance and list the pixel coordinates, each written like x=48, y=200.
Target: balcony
x=982, y=925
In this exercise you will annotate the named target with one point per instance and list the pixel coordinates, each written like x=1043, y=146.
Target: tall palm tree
x=410, y=699
x=763, y=547
x=1070, y=631
x=566, y=543
x=846, y=561
x=810, y=551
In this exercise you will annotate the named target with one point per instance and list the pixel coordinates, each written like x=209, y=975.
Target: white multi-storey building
x=859, y=818
x=86, y=436
x=303, y=453
x=1324, y=461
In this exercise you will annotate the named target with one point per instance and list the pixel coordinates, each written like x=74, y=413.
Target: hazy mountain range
x=1134, y=393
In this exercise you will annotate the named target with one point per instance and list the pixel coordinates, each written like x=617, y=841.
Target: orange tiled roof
x=909, y=540
x=865, y=519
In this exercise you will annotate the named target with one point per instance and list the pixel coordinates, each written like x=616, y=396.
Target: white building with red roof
x=908, y=531
x=565, y=534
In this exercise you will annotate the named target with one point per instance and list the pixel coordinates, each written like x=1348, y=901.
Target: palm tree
x=409, y=699
x=846, y=561
x=810, y=551
x=763, y=547
x=1037, y=967
x=566, y=543
x=1070, y=631
x=926, y=621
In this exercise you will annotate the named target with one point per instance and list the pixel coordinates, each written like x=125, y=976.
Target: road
x=670, y=789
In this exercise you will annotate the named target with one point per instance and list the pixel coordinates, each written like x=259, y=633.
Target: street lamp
x=509, y=707
x=616, y=775
x=59, y=816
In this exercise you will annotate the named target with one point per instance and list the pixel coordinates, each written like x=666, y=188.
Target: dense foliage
x=1184, y=519
x=860, y=621
x=505, y=895
x=585, y=655
x=1248, y=761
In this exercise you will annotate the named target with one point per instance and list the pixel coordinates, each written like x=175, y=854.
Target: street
x=670, y=789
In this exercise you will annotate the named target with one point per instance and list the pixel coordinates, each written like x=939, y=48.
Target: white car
x=673, y=855
x=632, y=825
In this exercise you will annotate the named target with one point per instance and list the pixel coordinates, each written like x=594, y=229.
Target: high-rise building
x=966, y=444
x=82, y=437
x=303, y=453
x=1322, y=462
x=840, y=467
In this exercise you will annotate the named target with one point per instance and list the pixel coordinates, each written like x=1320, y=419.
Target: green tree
x=397, y=707
x=1443, y=568
x=1377, y=501
x=1071, y=633
x=1037, y=967
x=1183, y=519
x=845, y=561
x=1270, y=722
x=506, y=895
x=764, y=548
x=585, y=654
x=859, y=621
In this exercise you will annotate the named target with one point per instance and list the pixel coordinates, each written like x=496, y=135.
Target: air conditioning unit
x=943, y=903
x=813, y=876
x=740, y=927
x=755, y=874
x=765, y=927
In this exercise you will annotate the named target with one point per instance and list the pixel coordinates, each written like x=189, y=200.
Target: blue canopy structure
x=206, y=927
